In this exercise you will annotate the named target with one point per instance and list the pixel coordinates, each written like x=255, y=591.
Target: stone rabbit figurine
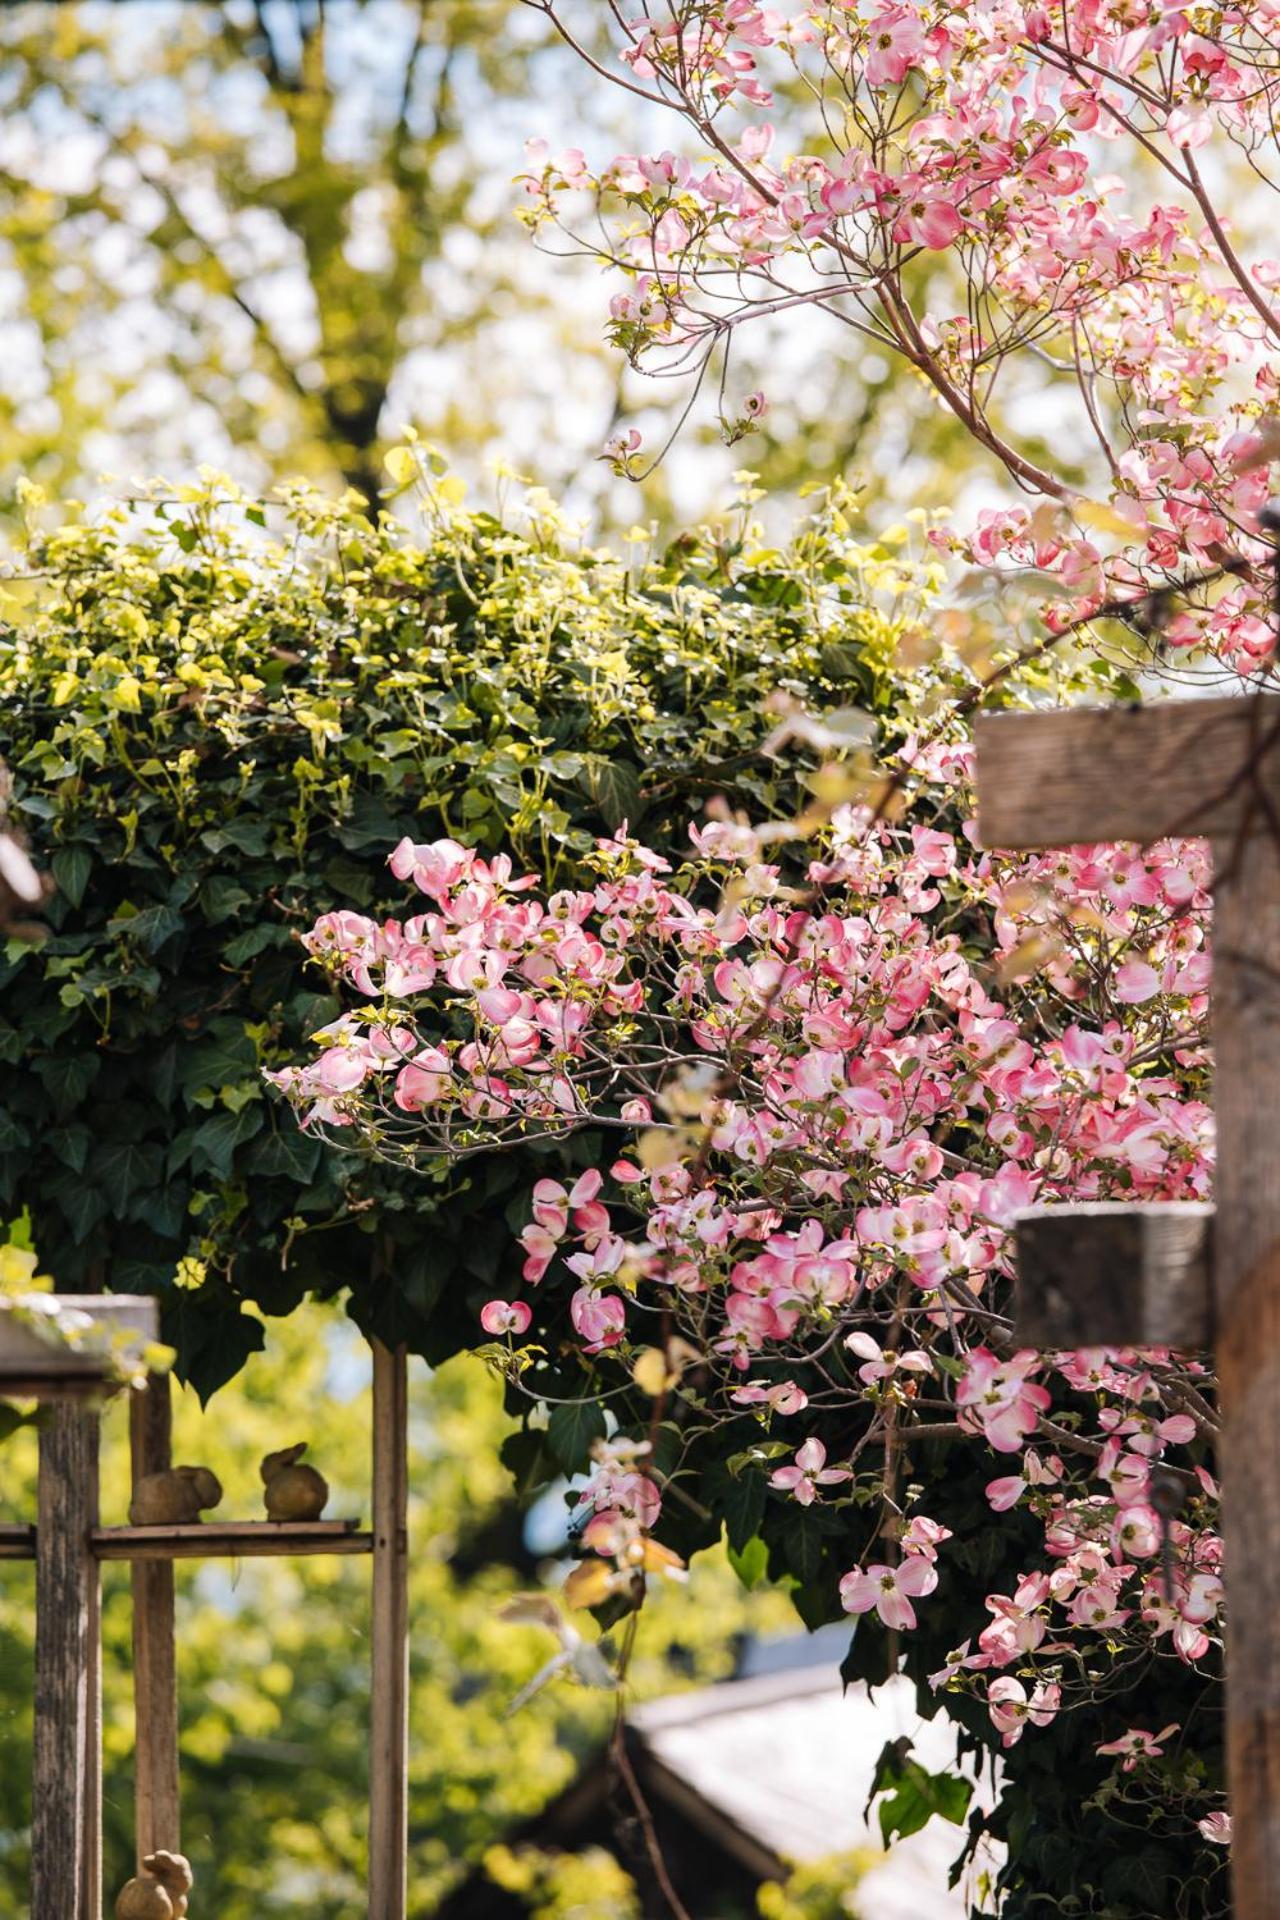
x=174, y=1498
x=159, y=1892
x=293, y=1492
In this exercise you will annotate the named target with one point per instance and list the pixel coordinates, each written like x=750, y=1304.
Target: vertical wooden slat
x=157, y=1820
x=1246, y=1015
x=389, y=1719
x=66, y=1840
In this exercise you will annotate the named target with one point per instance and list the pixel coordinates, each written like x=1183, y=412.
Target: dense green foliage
x=217, y=732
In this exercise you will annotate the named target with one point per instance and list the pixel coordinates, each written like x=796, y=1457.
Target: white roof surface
x=788, y=1758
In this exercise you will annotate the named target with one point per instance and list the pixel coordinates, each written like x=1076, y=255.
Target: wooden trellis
x=1185, y=1275
x=68, y=1545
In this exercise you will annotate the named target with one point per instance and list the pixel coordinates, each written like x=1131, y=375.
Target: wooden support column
x=1104, y=1273
x=66, y=1840
x=389, y=1719
x=157, y=1821
x=1207, y=767
x=1246, y=1280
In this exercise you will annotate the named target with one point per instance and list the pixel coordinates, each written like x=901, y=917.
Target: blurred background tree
x=268, y=234
x=241, y=231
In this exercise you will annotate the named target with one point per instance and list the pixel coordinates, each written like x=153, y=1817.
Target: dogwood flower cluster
x=1088, y=183
x=825, y=1115
x=622, y=1505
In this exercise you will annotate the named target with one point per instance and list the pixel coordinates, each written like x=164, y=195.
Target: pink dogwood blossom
x=1137, y=1746
x=890, y=1590
x=808, y=1474
x=506, y=1316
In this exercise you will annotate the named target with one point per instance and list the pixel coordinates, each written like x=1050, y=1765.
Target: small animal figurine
x=174, y=1498
x=159, y=1892
x=293, y=1492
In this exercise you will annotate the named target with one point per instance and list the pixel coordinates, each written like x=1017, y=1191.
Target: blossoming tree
x=1060, y=217
x=806, y=1096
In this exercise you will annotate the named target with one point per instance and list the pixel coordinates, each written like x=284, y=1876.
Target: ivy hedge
x=217, y=729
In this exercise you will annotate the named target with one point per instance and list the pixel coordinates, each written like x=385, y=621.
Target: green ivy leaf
x=529, y=1461
x=150, y=928
x=215, y=1143
x=126, y=1168
x=614, y=789
x=751, y=1564
x=246, y=946
x=801, y=1545
x=68, y=1078
x=70, y=1145
x=81, y=1205
x=221, y=897
x=225, y=1056
x=163, y=1209
x=71, y=869
x=572, y=1430
x=738, y=1500
x=246, y=836
x=286, y=1155
x=913, y=1796
x=212, y=1344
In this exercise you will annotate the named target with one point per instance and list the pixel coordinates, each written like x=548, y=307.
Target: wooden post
x=66, y=1839
x=1204, y=767
x=389, y=1719
x=1246, y=1279
x=67, y=1544
x=157, y=1821
x=1102, y=1273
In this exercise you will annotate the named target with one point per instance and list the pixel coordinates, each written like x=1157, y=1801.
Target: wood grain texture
x=32, y=1367
x=248, y=1539
x=1209, y=767
x=157, y=1817
x=232, y=1539
x=389, y=1720
x=66, y=1838
x=1106, y=773
x=1104, y=1274
x=1246, y=1267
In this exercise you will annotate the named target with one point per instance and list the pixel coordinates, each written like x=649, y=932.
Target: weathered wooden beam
x=1106, y=1274
x=1246, y=1283
x=1112, y=773
x=238, y=1539
x=389, y=1718
x=66, y=1837
x=234, y=1539
x=32, y=1366
x=157, y=1814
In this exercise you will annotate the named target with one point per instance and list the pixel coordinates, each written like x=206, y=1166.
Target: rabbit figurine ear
x=275, y=1463
x=172, y=1870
